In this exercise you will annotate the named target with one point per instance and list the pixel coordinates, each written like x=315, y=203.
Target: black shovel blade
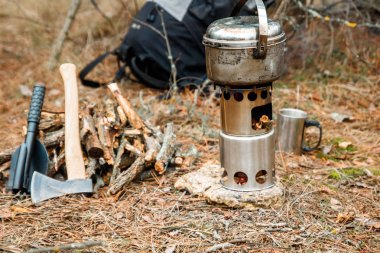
x=19, y=179
x=39, y=163
x=15, y=177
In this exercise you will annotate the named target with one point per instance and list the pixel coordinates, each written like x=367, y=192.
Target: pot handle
x=261, y=50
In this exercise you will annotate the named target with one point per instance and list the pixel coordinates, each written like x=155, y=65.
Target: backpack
x=144, y=49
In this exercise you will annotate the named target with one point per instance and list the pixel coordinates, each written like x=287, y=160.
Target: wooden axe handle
x=73, y=152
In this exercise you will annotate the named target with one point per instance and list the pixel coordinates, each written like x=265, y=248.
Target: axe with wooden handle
x=43, y=187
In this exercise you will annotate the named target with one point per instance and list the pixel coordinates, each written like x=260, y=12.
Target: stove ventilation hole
x=238, y=96
x=226, y=95
x=261, y=176
x=240, y=178
x=264, y=94
x=252, y=96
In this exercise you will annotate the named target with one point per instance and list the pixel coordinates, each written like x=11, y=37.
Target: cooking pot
x=245, y=50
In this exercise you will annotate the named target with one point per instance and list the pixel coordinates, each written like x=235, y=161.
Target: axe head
x=44, y=187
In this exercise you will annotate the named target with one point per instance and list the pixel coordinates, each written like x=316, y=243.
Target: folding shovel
x=31, y=155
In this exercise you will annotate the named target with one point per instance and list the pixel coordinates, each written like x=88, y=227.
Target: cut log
x=116, y=165
x=104, y=138
x=110, y=111
x=132, y=132
x=128, y=175
x=51, y=121
x=167, y=150
x=122, y=116
x=153, y=147
x=133, y=117
x=56, y=163
x=90, y=138
x=92, y=166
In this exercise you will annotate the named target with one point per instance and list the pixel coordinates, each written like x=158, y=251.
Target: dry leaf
x=345, y=144
x=6, y=213
x=170, y=249
x=19, y=209
x=335, y=204
x=376, y=225
x=345, y=217
x=337, y=117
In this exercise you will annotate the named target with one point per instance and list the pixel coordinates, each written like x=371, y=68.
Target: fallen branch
x=133, y=117
x=58, y=43
x=128, y=175
x=167, y=150
x=69, y=246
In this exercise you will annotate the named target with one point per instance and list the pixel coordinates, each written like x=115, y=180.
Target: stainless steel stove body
x=244, y=55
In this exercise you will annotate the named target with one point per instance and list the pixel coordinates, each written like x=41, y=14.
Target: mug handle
x=313, y=123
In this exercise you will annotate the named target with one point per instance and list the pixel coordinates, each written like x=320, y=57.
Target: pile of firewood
x=117, y=144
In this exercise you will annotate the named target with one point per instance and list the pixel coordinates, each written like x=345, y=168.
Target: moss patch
x=346, y=173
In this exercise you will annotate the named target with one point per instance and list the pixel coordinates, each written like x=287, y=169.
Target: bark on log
x=156, y=132
x=122, y=116
x=92, y=166
x=128, y=175
x=56, y=163
x=104, y=139
x=116, y=165
x=54, y=139
x=6, y=155
x=51, y=121
x=167, y=150
x=153, y=147
x=110, y=111
x=90, y=139
x=132, y=132
x=133, y=117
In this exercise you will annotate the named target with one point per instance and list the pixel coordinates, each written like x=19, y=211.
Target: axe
x=43, y=187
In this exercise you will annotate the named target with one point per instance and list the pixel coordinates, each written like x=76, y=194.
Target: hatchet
x=43, y=187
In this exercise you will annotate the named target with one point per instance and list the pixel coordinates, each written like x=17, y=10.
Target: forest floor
x=332, y=195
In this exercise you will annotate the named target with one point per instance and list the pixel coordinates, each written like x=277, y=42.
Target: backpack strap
x=89, y=67
x=146, y=78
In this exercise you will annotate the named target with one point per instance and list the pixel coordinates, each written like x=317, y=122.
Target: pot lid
x=241, y=31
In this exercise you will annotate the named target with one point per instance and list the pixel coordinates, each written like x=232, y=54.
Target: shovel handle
x=36, y=103
x=73, y=152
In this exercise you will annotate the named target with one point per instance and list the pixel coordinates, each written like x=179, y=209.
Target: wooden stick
x=93, y=164
x=122, y=116
x=51, y=121
x=6, y=155
x=69, y=246
x=153, y=147
x=128, y=175
x=56, y=163
x=55, y=138
x=155, y=131
x=90, y=138
x=134, y=150
x=133, y=117
x=110, y=111
x=167, y=150
x=116, y=165
x=104, y=140
x=132, y=132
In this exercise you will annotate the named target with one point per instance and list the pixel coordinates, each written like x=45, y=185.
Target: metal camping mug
x=291, y=129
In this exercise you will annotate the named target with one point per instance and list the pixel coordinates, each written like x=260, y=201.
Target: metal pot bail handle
x=313, y=123
x=261, y=50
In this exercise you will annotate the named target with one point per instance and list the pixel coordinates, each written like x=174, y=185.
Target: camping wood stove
x=244, y=55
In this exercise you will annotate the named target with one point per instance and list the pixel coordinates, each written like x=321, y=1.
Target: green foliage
x=346, y=173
